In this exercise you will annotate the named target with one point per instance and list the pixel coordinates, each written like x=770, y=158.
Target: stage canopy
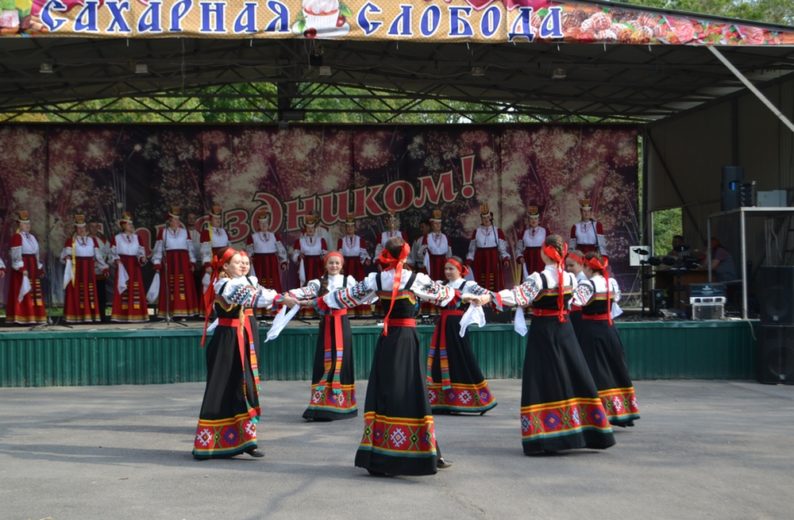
x=684, y=78
x=552, y=60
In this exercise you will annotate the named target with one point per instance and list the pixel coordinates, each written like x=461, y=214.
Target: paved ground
x=701, y=450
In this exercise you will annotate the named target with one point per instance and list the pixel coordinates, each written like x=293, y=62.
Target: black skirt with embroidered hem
x=230, y=408
x=325, y=404
x=606, y=359
x=399, y=432
x=560, y=406
x=468, y=390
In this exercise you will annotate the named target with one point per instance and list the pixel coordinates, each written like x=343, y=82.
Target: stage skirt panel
x=333, y=390
x=488, y=269
x=606, y=358
x=81, y=302
x=184, y=300
x=230, y=408
x=130, y=306
x=560, y=406
x=533, y=261
x=31, y=310
x=399, y=432
x=586, y=248
x=456, y=383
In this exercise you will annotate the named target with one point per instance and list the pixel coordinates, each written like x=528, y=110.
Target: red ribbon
x=601, y=265
x=209, y=294
x=389, y=262
x=333, y=254
x=463, y=269
x=554, y=254
x=576, y=258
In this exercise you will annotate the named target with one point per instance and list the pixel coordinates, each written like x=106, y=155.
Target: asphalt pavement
x=702, y=449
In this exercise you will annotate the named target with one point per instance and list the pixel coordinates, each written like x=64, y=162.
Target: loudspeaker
x=774, y=360
x=775, y=294
x=731, y=186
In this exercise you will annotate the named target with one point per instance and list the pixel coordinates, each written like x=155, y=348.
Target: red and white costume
x=385, y=236
x=82, y=257
x=487, y=250
x=529, y=247
x=213, y=241
x=268, y=255
x=129, y=293
x=177, y=294
x=588, y=235
x=436, y=251
x=308, y=252
x=25, y=303
x=354, y=251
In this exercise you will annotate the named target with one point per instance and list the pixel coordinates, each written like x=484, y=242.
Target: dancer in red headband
x=574, y=264
x=399, y=432
x=601, y=343
x=560, y=407
x=455, y=383
x=230, y=409
x=333, y=390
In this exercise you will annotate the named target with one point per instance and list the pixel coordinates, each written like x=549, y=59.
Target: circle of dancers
x=575, y=381
x=575, y=384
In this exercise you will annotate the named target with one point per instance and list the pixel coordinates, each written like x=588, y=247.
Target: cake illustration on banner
x=322, y=19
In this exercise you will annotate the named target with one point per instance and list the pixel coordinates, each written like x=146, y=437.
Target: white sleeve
x=522, y=295
x=431, y=291
x=350, y=297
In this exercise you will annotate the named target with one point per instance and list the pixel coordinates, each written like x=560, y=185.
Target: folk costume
x=308, y=252
x=25, y=305
x=560, y=406
x=602, y=348
x=436, y=248
x=576, y=259
x=333, y=389
x=399, y=432
x=588, y=234
x=392, y=223
x=81, y=256
x=488, y=253
x=529, y=245
x=268, y=254
x=214, y=238
x=173, y=259
x=230, y=409
x=129, y=295
x=455, y=383
x=356, y=259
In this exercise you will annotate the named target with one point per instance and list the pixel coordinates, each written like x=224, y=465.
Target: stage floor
x=702, y=449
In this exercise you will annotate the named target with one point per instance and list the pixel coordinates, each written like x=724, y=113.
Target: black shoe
x=255, y=453
x=443, y=463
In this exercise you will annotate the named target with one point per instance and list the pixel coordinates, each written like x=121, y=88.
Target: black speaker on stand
x=775, y=349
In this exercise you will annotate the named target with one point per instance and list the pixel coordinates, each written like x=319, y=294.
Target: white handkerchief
x=67, y=273
x=520, y=323
x=124, y=277
x=24, y=288
x=212, y=326
x=474, y=314
x=280, y=321
x=616, y=310
x=153, y=294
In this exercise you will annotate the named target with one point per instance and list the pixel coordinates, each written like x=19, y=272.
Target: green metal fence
x=655, y=350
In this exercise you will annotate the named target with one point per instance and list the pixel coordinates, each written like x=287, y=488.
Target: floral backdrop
x=334, y=172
